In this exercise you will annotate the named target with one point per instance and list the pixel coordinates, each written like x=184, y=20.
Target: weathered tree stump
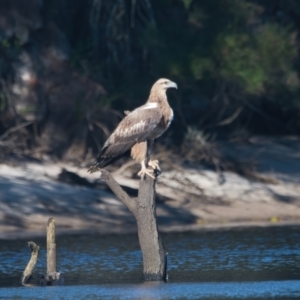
x=31, y=264
x=52, y=277
x=51, y=246
x=144, y=209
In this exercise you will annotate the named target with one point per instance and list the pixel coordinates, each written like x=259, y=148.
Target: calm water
x=261, y=263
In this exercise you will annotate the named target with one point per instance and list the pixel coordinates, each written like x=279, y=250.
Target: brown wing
x=134, y=128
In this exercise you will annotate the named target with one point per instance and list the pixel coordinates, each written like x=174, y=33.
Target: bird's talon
x=154, y=164
x=145, y=172
x=157, y=172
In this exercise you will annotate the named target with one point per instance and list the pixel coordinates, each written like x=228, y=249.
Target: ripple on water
x=245, y=255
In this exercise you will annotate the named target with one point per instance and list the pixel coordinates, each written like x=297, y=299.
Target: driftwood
x=144, y=209
x=31, y=264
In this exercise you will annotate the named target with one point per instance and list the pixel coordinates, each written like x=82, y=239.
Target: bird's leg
x=154, y=164
x=144, y=171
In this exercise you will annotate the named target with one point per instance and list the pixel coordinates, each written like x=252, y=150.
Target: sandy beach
x=187, y=198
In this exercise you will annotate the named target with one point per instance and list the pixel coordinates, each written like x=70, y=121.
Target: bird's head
x=164, y=84
x=159, y=88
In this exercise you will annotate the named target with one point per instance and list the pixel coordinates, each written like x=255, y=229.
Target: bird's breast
x=163, y=124
x=170, y=117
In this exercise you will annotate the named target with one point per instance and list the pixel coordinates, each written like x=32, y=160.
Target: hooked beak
x=172, y=84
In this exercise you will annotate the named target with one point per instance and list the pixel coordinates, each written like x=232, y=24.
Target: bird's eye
x=166, y=82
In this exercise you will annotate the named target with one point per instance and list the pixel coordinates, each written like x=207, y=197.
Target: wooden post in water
x=51, y=247
x=52, y=277
x=144, y=209
x=31, y=264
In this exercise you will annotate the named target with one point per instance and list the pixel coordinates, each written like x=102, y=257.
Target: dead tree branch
x=12, y=129
x=31, y=264
x=118, y=191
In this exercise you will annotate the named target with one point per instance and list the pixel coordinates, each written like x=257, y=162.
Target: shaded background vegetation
x=69, y=68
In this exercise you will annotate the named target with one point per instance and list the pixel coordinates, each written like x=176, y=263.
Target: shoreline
x=193, y=228
x=188, y=199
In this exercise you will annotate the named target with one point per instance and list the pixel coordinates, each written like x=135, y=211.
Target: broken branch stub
x=144, y=209
x=31, y=264
x=118, y=191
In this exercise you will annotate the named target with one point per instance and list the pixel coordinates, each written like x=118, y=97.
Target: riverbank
x=187, y=198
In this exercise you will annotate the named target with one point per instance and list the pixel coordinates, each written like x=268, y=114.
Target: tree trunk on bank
x=144, y=209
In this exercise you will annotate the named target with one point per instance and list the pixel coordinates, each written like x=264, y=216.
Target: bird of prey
x=138, y=130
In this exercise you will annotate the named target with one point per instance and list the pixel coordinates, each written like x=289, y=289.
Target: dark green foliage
x=219, y=47
x=236, y=62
